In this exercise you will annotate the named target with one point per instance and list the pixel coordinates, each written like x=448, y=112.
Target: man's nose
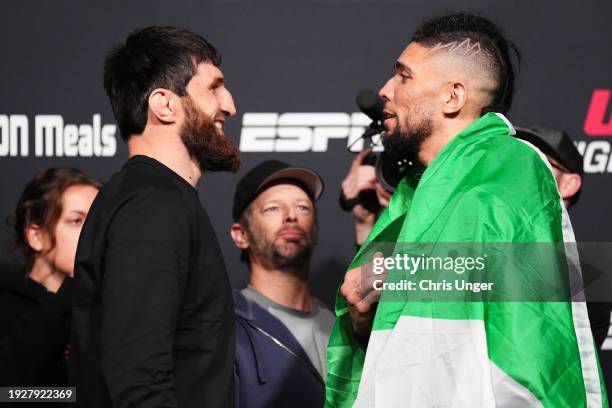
x=386, y=92
x=227, y=104
x=290, y=215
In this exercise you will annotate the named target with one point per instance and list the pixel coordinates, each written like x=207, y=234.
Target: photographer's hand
x=360, y=177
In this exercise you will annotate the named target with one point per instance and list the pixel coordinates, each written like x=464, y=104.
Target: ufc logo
x=596, y=122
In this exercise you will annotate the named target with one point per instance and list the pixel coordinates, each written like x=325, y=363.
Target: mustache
x=220, y=117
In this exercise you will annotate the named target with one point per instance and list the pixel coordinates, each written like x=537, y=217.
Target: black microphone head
x=371, y=104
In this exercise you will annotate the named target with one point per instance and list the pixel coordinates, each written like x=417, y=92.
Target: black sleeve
x=145, y=263
x=32, y=347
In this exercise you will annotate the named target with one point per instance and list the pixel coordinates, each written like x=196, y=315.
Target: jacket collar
x=260, y=318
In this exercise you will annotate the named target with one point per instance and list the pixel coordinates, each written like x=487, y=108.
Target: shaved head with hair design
x=478, y=45
x=455, y=69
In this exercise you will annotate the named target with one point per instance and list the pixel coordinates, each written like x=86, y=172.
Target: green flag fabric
x=483, y=189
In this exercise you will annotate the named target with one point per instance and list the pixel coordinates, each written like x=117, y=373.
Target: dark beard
x=206, y=144
x=404, y=143
x=296, y=260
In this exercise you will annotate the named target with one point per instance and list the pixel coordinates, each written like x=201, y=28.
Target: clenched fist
x=361, y=297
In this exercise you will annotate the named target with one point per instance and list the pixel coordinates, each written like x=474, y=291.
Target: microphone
x=389, y=170
x=371, y=104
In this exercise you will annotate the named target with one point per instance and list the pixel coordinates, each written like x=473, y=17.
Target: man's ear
x=569, y=185
x=36, y=237
x=239, y=236
x=455, y=98
x=163, y=105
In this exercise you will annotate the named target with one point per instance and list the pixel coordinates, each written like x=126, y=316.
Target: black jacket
x=153, y=318
x=34, y=330
x=272, y=370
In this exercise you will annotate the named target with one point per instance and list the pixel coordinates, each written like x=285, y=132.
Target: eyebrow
x=279, y=201
x=398, y=66
x=218, y=81
x=78, y=212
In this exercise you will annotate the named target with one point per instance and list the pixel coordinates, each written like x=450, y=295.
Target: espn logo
x=301, y=132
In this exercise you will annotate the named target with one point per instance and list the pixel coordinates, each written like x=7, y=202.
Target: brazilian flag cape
x=485, y=186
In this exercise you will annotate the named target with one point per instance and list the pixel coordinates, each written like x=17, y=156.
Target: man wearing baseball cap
x=281, y=329
x=563, y=156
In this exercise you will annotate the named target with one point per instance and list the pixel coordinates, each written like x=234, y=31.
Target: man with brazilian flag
x=481, y=188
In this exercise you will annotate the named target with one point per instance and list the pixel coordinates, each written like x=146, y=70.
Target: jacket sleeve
x=145, y=266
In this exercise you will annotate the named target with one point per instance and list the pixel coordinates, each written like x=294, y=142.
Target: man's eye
x=304, y=208
x=216, y=87
x=271, y=209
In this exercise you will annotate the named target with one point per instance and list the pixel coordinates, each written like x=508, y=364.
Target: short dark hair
x=151, y=57
x=41, y=204
x=496, y=48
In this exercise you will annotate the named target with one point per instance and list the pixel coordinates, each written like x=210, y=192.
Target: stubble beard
x=293, y=257
x=205, y=143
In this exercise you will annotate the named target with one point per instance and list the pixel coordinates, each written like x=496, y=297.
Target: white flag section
x=427, y=362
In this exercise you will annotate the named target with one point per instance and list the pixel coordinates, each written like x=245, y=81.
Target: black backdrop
x=290, y=57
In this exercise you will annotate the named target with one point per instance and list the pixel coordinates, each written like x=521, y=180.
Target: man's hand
x=361, y=297
x=360, y=177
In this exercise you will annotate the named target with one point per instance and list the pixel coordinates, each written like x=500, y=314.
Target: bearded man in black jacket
x=153, y=318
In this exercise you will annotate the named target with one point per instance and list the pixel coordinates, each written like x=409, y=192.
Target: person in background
x=36, y=298
x=563, y=156
x=360, y=179
x=281, y=329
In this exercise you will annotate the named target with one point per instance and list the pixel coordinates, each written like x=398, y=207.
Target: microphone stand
x=373, y=129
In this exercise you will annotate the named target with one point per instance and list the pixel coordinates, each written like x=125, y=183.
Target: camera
x=389, y=172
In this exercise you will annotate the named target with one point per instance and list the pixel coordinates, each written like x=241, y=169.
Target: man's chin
x=290, y=250
x=389, y=130
x=291, y=253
